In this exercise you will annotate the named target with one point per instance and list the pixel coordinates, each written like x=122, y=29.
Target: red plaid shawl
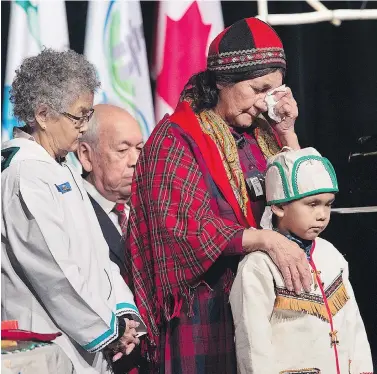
x=174, y=234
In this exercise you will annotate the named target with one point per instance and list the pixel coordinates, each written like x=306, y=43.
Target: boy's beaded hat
x=247, y=45
x=292, y=175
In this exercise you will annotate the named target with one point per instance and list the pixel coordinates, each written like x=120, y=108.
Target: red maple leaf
x=184, y=53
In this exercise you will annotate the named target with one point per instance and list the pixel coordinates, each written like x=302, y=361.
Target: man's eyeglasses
x=79, y=121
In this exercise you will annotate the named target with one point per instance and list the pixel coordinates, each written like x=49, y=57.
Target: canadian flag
x=185, y=30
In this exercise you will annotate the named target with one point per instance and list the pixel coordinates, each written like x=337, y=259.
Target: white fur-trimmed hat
x=292, y=175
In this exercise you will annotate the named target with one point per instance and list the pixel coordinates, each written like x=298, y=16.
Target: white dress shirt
x=105, y=204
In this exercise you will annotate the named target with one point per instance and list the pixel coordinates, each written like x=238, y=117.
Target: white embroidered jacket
x=56, y=274
x=278, y=331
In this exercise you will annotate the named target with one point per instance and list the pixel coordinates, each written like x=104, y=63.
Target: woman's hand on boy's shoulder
x=287, y=256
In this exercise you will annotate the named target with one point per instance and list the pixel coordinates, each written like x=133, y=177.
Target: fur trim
x=313, y=304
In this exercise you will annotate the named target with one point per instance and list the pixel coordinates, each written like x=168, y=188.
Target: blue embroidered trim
x=122, y=306
x=92, y=346
x=7, y=155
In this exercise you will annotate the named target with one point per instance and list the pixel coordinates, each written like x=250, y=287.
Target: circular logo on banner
x=123, y=43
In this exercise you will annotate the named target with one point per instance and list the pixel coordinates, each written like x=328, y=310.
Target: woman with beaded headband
x=198, y=198
x=56, y=271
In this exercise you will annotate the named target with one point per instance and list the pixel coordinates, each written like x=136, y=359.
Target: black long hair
x=201, y=89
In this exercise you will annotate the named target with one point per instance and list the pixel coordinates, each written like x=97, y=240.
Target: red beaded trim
x=248, y=57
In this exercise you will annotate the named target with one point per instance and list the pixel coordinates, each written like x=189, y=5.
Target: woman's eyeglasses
x=79, y=121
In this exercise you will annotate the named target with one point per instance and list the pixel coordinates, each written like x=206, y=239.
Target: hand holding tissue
x=271, y=103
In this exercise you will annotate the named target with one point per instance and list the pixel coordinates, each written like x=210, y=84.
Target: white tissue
x=270, y=101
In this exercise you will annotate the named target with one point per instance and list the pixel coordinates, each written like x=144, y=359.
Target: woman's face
x=242, y=102
x=64, y=132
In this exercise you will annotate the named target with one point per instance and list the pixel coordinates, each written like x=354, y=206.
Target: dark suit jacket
x=111, y=234
x=116, y=245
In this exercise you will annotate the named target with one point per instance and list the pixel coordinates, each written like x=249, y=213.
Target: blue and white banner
x=32, y=25
x=115, y=44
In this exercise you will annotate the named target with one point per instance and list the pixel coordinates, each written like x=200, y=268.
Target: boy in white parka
x=276, y=330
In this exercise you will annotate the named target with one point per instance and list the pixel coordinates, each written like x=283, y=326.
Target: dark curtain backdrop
x=332, y=73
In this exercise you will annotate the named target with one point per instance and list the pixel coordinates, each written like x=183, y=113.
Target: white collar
x=29, y=148
x=105, y=204
x=18, y=133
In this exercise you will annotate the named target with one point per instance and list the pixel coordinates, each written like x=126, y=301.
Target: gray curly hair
x=53, y=78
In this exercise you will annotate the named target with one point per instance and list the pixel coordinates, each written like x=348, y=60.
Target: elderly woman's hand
x=127, y=342
x=287, y=255
x=286, y=108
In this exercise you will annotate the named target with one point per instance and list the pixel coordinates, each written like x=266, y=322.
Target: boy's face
x=306, y=217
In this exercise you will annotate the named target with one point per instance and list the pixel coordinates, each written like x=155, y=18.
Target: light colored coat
x=280, y=332
x=56, y=271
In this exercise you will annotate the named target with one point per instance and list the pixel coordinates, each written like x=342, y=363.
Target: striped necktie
x=122, y=218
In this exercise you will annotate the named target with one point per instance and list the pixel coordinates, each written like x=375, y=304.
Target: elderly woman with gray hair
x=56, y=272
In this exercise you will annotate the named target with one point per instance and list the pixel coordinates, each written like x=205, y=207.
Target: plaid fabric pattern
x=182, y=250
x=203, y=343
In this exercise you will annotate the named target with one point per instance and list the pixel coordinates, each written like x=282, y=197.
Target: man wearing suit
x=108, y=152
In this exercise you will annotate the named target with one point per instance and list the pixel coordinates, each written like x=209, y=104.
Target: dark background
x=332, y=72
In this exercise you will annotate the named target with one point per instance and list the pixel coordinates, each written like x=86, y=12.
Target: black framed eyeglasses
x=78, y=121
